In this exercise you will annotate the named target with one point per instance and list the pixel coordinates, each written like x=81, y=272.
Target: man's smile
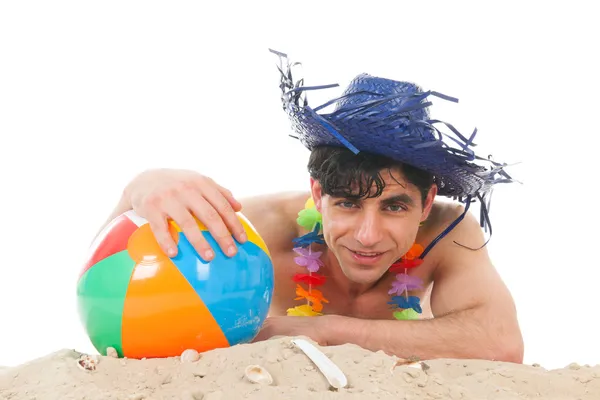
x=366, y=257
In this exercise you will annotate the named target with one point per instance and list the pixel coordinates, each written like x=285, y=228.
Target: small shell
x=189, y=355
x=408, y=363
x=257, y=374
x=112, y=352
x=87, y=362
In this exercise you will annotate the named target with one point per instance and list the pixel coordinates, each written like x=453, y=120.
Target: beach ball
x=134, y=298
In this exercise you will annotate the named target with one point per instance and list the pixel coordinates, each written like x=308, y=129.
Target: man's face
x=368, y=235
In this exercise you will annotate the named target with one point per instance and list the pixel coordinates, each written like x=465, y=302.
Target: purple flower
x=404, y=283
x=308, y=259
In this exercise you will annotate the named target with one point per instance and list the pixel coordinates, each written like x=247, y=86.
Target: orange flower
x=314, y=296
x=414, y=252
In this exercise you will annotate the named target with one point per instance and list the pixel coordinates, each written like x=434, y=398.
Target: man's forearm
x=466, y=334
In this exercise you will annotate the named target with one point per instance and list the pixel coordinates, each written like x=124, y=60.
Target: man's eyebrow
x=399, y=198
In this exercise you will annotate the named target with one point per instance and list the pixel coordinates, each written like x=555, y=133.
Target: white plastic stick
x=332, y=372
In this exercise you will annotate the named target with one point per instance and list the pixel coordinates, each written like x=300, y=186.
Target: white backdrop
x=91, y=93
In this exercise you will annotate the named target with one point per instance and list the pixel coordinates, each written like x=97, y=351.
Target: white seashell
x=87, y=362
x=332, y=372
x=112, y=352
x=403, y=362
x=189, y=355
x=257, y=374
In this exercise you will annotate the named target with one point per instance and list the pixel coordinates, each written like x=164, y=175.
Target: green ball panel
x=101, y=295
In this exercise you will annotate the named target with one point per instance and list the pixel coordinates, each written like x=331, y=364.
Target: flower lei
x=405, y=307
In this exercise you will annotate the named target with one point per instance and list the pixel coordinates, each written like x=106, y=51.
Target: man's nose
x=369, y=231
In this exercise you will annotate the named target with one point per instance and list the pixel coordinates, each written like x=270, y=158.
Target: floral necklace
x=405, y=307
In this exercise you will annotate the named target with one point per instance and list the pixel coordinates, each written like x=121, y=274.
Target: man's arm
x=475, y=316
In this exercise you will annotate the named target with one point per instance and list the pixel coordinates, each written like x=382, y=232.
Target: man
x=374, y=258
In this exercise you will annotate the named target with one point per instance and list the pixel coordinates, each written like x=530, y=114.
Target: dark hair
x=342, y=173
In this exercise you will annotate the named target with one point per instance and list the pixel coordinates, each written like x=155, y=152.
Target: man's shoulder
x=445, y=212
x=277, y=205
x=463, y=238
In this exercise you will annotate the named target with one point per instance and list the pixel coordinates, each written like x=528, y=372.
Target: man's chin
x=364, y=274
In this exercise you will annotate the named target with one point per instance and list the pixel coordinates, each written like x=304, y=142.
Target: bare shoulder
x=464, y=276
x=464, y=242
x=274, y=216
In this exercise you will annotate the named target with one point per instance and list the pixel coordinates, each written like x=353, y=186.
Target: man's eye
x=395, y=208
x=346, y=204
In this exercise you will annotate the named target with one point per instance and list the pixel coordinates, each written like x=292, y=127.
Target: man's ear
x=316, y=193
x=429, y=201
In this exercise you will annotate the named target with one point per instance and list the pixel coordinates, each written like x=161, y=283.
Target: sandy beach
x=220, y=374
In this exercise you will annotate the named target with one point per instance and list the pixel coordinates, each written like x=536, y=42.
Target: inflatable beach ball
x=131, y=296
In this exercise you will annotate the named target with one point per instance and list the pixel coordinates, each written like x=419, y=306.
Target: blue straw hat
x=391, y=118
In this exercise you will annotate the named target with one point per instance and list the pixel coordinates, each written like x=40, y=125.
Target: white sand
x=219, y=374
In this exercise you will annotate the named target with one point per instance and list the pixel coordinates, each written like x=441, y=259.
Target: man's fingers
x=235, y=205
x=189, y=226
x=222, y=204
x=160, y=229
x=215, y=224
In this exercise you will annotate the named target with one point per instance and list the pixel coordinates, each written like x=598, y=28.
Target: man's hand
x=311, y=327
x=180, y=195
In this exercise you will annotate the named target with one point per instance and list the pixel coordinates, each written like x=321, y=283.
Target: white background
x=91, y=93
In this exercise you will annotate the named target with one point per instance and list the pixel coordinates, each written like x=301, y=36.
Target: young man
x=389, y=267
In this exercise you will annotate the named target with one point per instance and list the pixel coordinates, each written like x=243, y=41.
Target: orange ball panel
x=163, y=315
x=143, y=245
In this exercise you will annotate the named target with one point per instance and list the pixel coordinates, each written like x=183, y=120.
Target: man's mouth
x=370, y=254
x=366, y=257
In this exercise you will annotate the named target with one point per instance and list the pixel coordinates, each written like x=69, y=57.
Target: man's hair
x=342, y=173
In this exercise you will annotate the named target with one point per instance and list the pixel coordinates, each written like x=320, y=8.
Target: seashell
x=87, y=362
x=112, y=352
x=408, y=363
x=189, y=355
x=328, y=368
x=257, y=374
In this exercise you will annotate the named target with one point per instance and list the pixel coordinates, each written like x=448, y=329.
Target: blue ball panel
x=237, y=290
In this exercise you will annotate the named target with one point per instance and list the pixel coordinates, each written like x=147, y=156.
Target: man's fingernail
x=171, y=252
x=243, y=237
x=208, y=254
x=231, y=251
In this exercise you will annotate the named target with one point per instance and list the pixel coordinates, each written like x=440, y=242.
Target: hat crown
x=364, y=88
